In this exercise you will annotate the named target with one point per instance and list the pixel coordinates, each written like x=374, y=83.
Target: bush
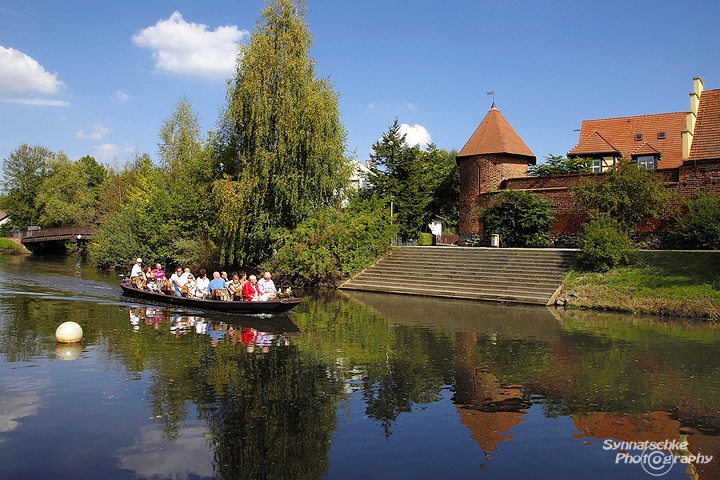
x=604, y=244
x=522, y=219
x=700, y=228
x=333, y=244
x=425, y=238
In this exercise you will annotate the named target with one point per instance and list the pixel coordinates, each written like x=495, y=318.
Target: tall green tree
x=66, y=198
x=412, y=179
x=280, y=144
x=23, y=172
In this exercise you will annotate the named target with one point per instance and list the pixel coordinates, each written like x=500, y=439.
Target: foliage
x=334, y=244
x=66, y=197
x=162, y=213
x=24, y=170
x=604, y=244
x=425, y=238
x=628, y=194
x=559, y=165
x=280, y=145
x=700, y=228
x=419, y=183
x=522, y=219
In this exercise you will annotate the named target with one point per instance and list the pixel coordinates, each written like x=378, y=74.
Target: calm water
x=348, y=386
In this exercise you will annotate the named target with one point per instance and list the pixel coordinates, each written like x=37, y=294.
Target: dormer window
x=646, y=161
x=638, y=137
x=661, y=135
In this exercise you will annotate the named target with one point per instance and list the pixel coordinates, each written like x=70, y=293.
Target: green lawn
x=7, y=246
x=660, y=282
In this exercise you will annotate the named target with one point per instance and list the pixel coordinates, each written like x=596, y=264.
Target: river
x=348, y=386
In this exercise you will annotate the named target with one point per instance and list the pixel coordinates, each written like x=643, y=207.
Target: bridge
x=51, y=238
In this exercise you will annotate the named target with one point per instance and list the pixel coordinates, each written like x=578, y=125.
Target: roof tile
x=495, y=135
x=621, y=133
x=706, y=141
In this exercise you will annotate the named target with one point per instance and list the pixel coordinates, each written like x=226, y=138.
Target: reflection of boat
x=276, y=305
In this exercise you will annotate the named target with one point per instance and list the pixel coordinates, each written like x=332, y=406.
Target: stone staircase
x=496, y=274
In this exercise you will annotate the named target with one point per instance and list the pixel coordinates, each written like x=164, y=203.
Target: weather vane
x=492, y=92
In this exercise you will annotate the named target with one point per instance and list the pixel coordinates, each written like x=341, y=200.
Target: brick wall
x=482, y=178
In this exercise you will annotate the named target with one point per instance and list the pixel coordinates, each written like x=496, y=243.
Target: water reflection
x=349, y=386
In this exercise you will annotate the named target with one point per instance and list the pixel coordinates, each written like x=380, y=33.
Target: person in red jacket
x=251, y=291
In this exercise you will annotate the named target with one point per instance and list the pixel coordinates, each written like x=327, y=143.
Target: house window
x=646, y=161
x=597, y=165
x=638, y=137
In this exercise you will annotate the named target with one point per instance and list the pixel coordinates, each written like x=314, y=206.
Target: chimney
x=691, y=116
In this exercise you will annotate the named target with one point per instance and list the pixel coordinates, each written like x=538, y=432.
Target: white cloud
x=415, y=135
x=122, y=97
x=98, y=132
x=22, y=79
x=106, y=152
x=192, y=49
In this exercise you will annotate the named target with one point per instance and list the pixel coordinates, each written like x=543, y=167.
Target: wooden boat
x=275, y=305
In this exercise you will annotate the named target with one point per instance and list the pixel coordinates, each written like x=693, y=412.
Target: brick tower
x=493, y=154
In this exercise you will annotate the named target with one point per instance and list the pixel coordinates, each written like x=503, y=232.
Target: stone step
x=419, y=276
x=500, y=296
x=431, y=289
x=505, y=275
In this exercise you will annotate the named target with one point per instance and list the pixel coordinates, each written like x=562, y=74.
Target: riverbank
x=674, y=283
x=9, y=247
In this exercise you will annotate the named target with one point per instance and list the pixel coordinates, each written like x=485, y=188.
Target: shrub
x=522, y=219
x=700, y=228
x=425, y=238
x=629, y=194
x=604, y=244
x=333, y=244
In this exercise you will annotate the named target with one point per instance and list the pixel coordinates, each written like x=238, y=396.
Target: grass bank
x=8, y=247
x=677, y=283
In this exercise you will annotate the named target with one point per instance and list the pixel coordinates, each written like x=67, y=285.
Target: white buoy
x=69, y=332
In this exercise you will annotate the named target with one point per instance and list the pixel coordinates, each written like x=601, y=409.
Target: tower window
x=661, y=135
x=638, y=137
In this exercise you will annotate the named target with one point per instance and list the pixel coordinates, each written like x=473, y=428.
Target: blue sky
x=98, y=78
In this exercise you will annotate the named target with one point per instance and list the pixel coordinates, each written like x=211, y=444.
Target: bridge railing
x=52, y=232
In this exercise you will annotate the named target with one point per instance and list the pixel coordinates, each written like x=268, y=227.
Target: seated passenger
x=178, y=280
x=201, y=284
x=267, y=286
x=216, y=282
x=158, y=273
x=235, y=287
x=250, y=290
x=136, y=273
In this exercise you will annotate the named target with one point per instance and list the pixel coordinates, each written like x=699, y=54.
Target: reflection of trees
x=394, y=366
x=268, y=416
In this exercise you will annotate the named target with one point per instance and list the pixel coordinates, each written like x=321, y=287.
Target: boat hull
x=278, y=305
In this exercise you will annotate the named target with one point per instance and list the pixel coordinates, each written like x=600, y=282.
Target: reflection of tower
x=484, y=406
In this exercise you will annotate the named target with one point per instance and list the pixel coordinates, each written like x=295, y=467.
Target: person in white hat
x=136, y=269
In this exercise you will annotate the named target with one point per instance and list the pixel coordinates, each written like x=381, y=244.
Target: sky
x=98, y=78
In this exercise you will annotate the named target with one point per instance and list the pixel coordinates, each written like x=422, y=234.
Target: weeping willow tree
x=280, y=144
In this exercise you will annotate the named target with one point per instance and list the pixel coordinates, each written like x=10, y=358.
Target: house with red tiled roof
x=657, y=141
x=684, y=146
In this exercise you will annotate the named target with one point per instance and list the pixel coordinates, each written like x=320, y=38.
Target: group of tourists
x=183, y=283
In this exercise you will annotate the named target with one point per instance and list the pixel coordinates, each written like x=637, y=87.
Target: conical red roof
x=495, y=135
